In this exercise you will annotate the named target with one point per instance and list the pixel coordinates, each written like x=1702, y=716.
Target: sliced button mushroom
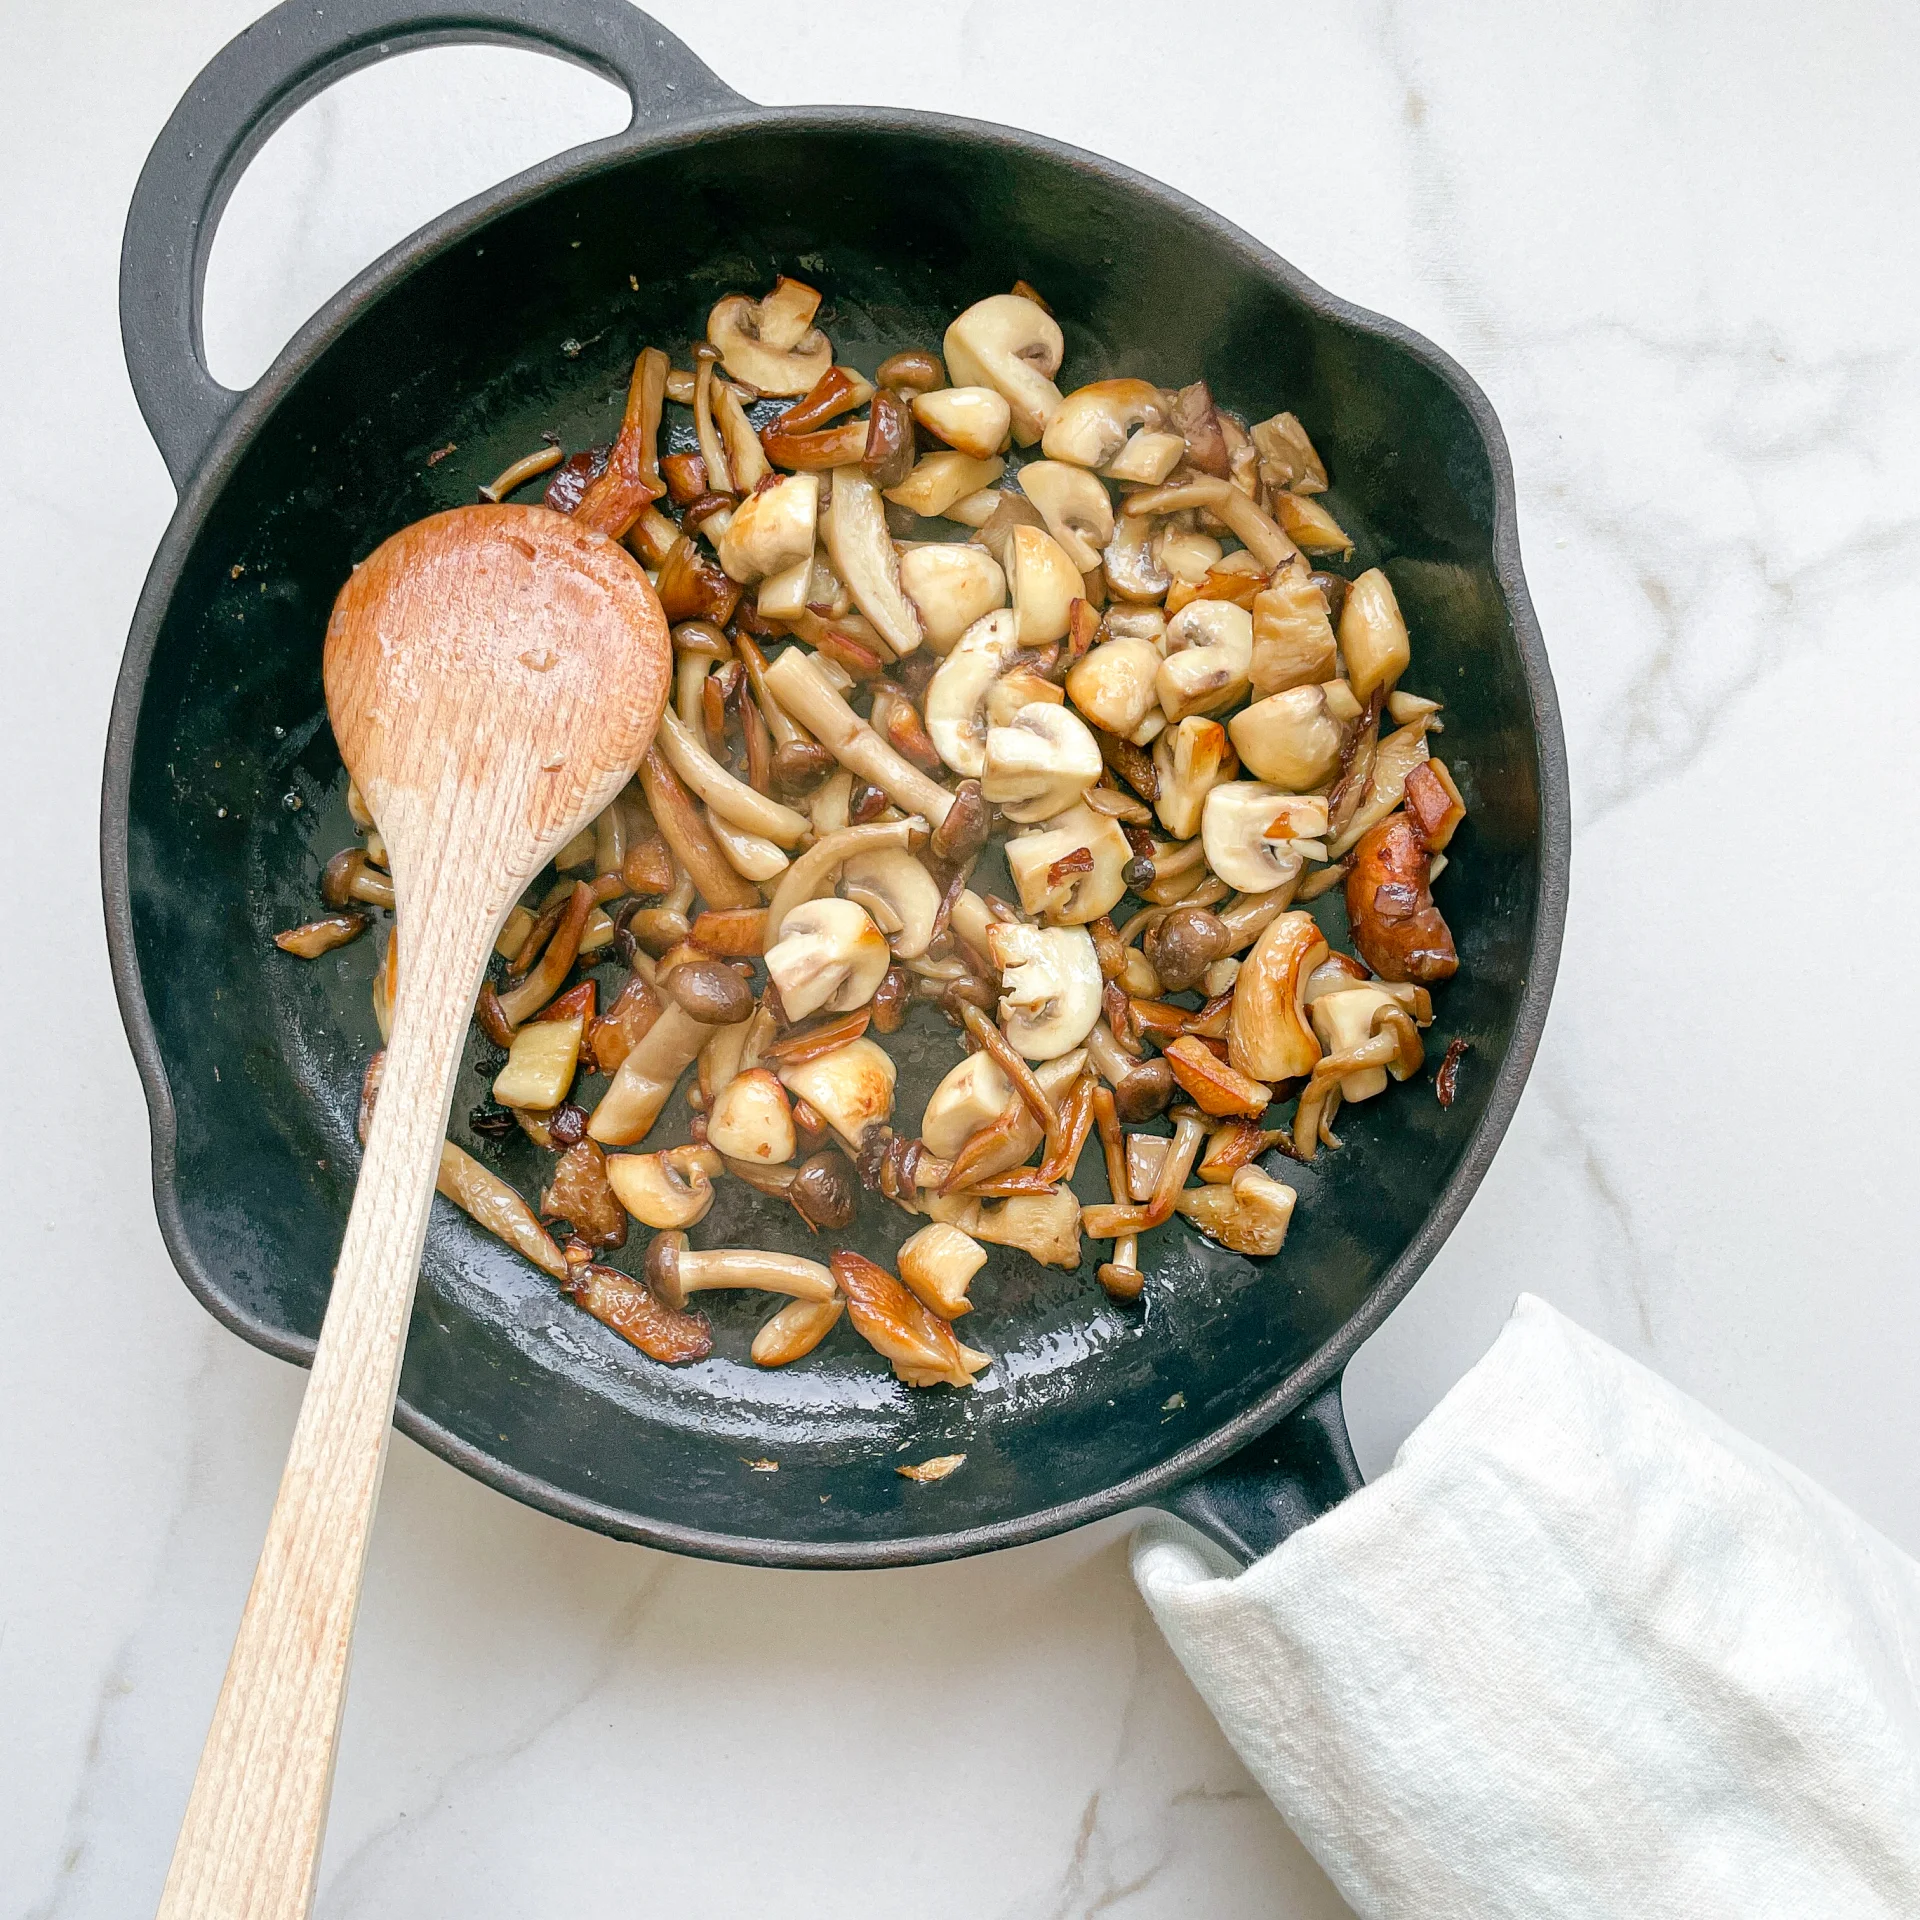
x=971, y=420
x=751, y=1119
x=1076, y=507
x=1268, y=1037
x=1013, y=345
x=1209, y=656
x=1130, y=563
x=1074, y=869
x=1250, y=1215
x=1043, y=583
x=1310, y=526
x=772, y=345
x=1020, y=686
x=1187, y=554
x=828, y=956
x=851, y=1089
x=1043, y=1226
x=1373, y=634
x=899, y=893
x=862, y=553
x=669, y=1189
x=951, y=585
x=1092, y=424
x=1292, y=634
x=1289, y=739
x=973, y=1094
x=772, y=530
x=1040, y=762
x=939, y=479
x=676, y=1270
x=1050, y=986
x=1147, y=458
x=1115, y=685
x=1190, y=760
x=1236, y=829
x=939, y=1263
x=957, y=693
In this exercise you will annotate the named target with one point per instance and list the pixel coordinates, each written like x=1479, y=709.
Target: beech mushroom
x=957, y=694
x=1209, y=653
x=1184, y=945
x=794, y=1332
x=675, y=1270
x=771, y=530
x=1043, y=583
x=920, y=1344
x=828, y=955
x=1050, y=986
x=1237, y=829
x=862, y=553
x=732, y=798
x=803, y=688
x=647, y=1078
x=750, y=855
x=851, y=1088
x=1373, y=635
x=1268, y=1037
x=951, y=585
x=1190, y=760
x=349, y=876
x=772, y=345
x=1013, y=345
x=1040, y=762
x=1397, y=929
x=1292, y=634
x=751, y=1119
x=1092, y=424
x=673, y=1188
x=900, y=895
x=1114, y=686
x=1043, y=1226
x=939, y=479
x=1289, y=739
x=972, y=420
x=1343, y=1019
x=1076, y=507
x=939, y=1263
x=1072, y=870
x=1250, y=1215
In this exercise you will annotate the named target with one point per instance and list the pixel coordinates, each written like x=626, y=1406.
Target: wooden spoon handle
x=250, y=1843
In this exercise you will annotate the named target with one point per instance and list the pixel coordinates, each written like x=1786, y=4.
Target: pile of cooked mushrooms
x=1137, y=683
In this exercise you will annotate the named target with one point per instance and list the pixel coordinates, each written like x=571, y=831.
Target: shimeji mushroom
x=1393, y=1042
x=676, y=1270
x=920, y=1344
x=751, y=1119
x=898, y=893
x=794, y=1332
x=1292, y=634
x=1077, y=509
x=1114, y=686
x=1268, y=1036
x=1043, y=1226
x=951, y=586
x=939, y=1263
x=750, y=855
x=957, y=694
x=1343, y=1019
x=862, y=553
x=350, y=876
x=771, y=530
x=772, y=345
x=1013, y=345
x=851, y=1089
x=1050, y=986
x=1289, y=739
x=939, y=479
x=673, y=1188
x=971, y=420
x=828, y=957
x=1373, y=635
x=972, y=1140
x=1039, y=762
x=1043, y=583
x=1249, y=830
x=1190, y=760
x=647, y=1077
x=1183, y=946
x=1249, y=1215
x=1209, y=652
x=731, y=798
x=1073, y=869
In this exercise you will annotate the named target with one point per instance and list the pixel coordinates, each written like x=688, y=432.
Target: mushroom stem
x=712, y=449
x=675, y=1270
x=529, y=466
x=533, y=993
x=732, y=799
x=686, y=833
x=630, y=482
x=816, y=870
x=1121, y=1275
x=804, y=691
x=1068, y=1140
x=1012, y=1065
x=1393, y=1042
x=647, y=1077
x=1110, y=1223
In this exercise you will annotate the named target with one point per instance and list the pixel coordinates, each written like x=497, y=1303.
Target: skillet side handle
x=1300, y=1468
x=265, y=74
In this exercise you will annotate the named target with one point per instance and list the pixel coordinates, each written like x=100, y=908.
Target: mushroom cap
x=1292, y=634
x=1077, y=509
x=938, y=1263
x=974, y=1092
x=850, y=1088
x=1050, y=986
x=1114, y=685
x=1373, y=634
x=1043, y=583
x=1012, y=344
x=663, y=1190
x=1268, y=1037
x=771, y=530
x=951, y=584
x=1186, y=553
x=957, y=693
x=1233, y=828
x=735, y=327
x=1289, y=739
x=972, y=420
x=663, y=1269
x=1091, y=425
x=829, y=957
x=1040, y=762
x=1209, y=656
x=1147, y=458
x=1073, y=898
x=752, y=1119
x=891, y=879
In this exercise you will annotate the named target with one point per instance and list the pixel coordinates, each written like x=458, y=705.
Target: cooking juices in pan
x=1037, y=718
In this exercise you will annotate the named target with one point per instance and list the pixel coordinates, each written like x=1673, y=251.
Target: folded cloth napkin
x=1583, y=1652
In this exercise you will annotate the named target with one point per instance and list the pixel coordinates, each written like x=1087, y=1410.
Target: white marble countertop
x=1677, y=248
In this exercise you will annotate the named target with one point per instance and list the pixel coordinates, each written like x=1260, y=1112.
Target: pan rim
x=296, y=358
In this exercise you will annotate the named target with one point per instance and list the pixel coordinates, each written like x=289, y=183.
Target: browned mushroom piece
x=1184, y=945
x=579, y=1193
x=1397, y=929
x=914, y=371
x=351, y=876
x=887, y=457
x=709, y=990
x=619, y=1301
x=675, y=1270
x=920, y=1344
x=315, y=937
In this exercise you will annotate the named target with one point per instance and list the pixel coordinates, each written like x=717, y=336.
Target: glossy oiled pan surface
x=233, y=799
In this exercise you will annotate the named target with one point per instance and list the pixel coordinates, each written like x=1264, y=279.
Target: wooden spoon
x=494, y=675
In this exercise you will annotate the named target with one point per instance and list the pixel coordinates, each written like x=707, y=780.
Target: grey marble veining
x=1677, y=247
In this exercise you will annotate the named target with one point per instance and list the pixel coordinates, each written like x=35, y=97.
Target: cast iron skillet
x=521, y=311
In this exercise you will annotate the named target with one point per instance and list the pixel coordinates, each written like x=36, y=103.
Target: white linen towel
x=1583, y=1653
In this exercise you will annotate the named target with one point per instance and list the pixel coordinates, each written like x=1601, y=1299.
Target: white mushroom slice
x=751, y=1119
x=974, y=1092
x=1233, y=829
x=939, y=479
x=1132, y=569
x=1044, y=584
x=1191, y=759
x=1187, y=555
x=829, y=956
x=1091, y=425
x=786, y=595
x=1288, y=738
x=1209, y=655
x=1077, y=509
x=1014, y=346
x=1147, y=458
x=1040, y=762
x=851, y=1088
x=1292, y=636
x=739, y=328
x=956, y=695
x=1114, y=686
x=1050, y=986
x=1138, y=623
x=951, y=586
x=977, y=508
x=1373, y=635
x=772, y=529
x=1021, y=686
x=939, y=1263
x=891, y=882
x=1250, y=1215
x=1073, y=897
x=862, y=553
x=972, y=420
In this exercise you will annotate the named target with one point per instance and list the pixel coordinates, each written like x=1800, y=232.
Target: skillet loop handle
x=265, y=74
x=1300, y=1468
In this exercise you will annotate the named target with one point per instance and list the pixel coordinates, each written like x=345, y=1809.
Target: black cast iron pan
x=521, y=312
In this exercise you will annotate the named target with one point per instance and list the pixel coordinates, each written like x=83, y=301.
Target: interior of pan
x=529, y=326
